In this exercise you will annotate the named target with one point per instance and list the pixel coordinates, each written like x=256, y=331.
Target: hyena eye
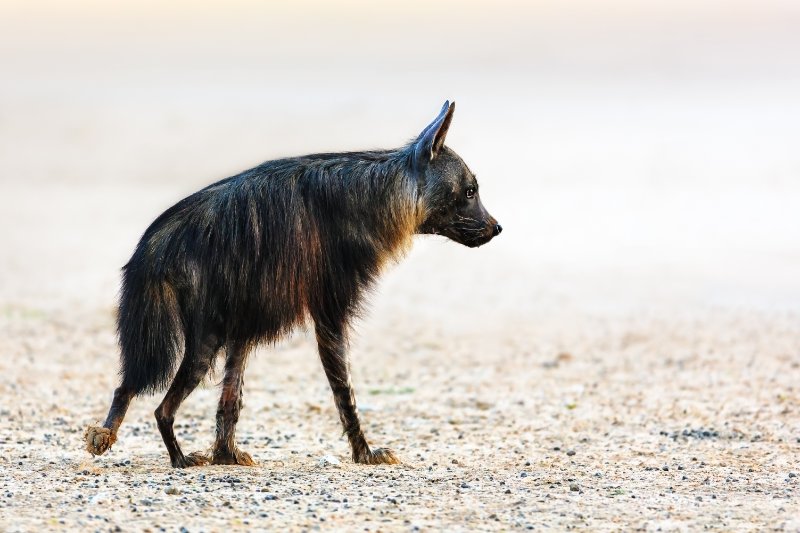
x=471, y=192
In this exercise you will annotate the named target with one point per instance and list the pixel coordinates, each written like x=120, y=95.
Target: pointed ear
x=431, y=140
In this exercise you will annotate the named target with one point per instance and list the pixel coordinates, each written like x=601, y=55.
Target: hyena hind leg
x=230, y=404
x=100, y=439
x=196, y=364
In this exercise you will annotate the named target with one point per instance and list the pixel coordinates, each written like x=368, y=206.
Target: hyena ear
x=431, y=140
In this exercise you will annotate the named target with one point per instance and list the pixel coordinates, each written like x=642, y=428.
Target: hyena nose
x=498, y=229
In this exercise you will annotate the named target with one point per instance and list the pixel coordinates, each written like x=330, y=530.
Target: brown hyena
x=250, y=257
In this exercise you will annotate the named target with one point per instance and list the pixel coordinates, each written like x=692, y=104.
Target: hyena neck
x=394, y=198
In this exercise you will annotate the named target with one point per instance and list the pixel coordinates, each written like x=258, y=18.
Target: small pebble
x=329, y=460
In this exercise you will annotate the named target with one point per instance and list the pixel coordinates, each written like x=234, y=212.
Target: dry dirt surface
x=607, y=424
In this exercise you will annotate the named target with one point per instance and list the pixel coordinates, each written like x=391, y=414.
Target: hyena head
x=451, y=203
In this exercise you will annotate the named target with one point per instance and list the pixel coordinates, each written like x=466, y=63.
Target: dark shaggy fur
x=248, y=258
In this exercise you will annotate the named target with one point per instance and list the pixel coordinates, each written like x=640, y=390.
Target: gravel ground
x=625, y=423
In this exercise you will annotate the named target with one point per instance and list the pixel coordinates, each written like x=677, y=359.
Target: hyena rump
x=248, y=258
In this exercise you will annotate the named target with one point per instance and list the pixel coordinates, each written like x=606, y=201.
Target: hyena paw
x=236, y=457
x=193, y=459
x=98, y=440
x=379, y=456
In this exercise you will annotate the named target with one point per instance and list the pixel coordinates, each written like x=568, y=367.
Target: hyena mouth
x=474, y=237
x=485, y=239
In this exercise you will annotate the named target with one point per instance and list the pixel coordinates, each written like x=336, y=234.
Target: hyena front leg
x=333, y=352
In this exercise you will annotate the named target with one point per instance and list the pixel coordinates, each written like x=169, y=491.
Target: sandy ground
x=602, y=423
x=624, y=356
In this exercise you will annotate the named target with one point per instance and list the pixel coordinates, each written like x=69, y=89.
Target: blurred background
x=640, y=155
